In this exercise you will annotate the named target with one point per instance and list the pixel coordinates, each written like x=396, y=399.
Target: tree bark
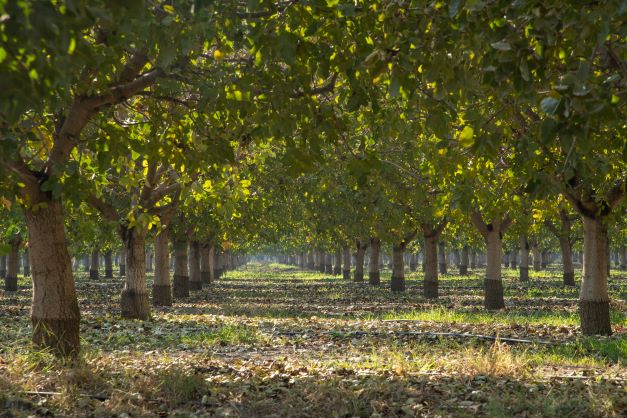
x=346, y=265
x=55, y=315
x=162, y=288
x=328, y=263
x=594, y=306
x=442, y=257
x=537, y=259
x=134, y=301
x=524, y=259
x=26, y=263
x=430, y=287
x=94, y=265
x=311, y=260
x=212, y=263
x=122, y=262
x=180, y=287
x=567, y=261
x=513, y=261
x=413, y=262
x=108, y=261
x=3, y=266
x=398, y=268
x=195, y=282
x=374, y=274
x=337, y=266
x=463, y=264
x=205, y=264
x=13, y=264
x=359, y=261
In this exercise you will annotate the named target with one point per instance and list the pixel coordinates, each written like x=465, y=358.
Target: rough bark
x=94, y=265
x=134, y=301
x=108, y=260
x=346, y=265
x=195, y=282
x=398, y=268
x=180, y=288
x=55, y=315
x=594, y=299
x=162, y=288
x=374, y=274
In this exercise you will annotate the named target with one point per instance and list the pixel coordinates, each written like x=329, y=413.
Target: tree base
x=321, y=269
x=443, y=268
x=524, y=274
x=311, y=266
x=513, y=265
x=109, y=274
x=430, y=289
x=346, y=274
x=506, y=265
x=122, y=270
x=463, y=270
x=493, y=296
x=358, y=277
x=568, y=279
x=135, y=305
x=205, y=277
x=10, y=284
x=161, y=295
x=328, y=268
x=413, y=266
x=62, y=336
x=397, y=284
x=337, y=271
x=180, y=287
x=374, y=278
x=93, y=274
x=194, y=285
x=595, y=317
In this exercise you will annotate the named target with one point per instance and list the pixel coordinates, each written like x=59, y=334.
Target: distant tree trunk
x=374, y=274
x=195, y=282
x=623, y=257
x=544, y=259
x=218, y=259
x=13, y=263
x=134, y=301
x=346, y=268
x=567, y=262
x=463, y=265
x=149, y=261
x=180, y=288
x=311, y=260
x=337, y=266
x=413, y=262
x=26, y=263
x=473, y=259
x=108, y=260
x=86, y=263
x=594, y=306
x=94, y=265
x=205, y=264
x=122, y=256
x=328, y=263
x=506, y=259
x=162, y=288
x=398, y=267
x=359, y=261
x=212, y=263
x=537, y=260
x=442, y=257
x=3, y=266
x=430, y=286
x=513, y=261
x=524, y=259
x=55, y=315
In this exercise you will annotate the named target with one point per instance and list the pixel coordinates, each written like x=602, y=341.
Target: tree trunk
x=26, y=263
x=544, y=259
x=195, y=282
x=623, y=257
x=537, y=260
x=398, y=268
x=149, y=261
x=513, y=261
x=337, y=266
x=442, y=257
x=346, y=267
x=3, y=266
x=430, y=286
x=594, y=305
x=359, y=262
x=506, y=259
x=108, y=260
x=493, y=296
x=134, y=301
x=161, y=288
x=86, y=263
x=567, y=261
x=122, y=262
x=55, y=315
x=205, y=264
x=94, y=265
x=473, y=259
x=374, y=274
x=463, y=264
x=413, y=262
x=328, y=263
x=524, y=259
x=212, y=263
x=311, y=260
x=13, y=264
x=180, y=288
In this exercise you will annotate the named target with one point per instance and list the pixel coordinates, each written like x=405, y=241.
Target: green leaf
x=549, y=105
x=3, y=54
x=501, y=46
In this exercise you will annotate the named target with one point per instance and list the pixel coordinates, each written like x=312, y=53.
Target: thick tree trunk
x=374, y=274
x=594, y=305
x=346, y=265
x=463, y=264
x=493, y=296
x=180, y=288
x=94, y=265
x=337, y=266
x=205, y=264
x=134, y=301
x=398, y=268
x=524, y=259
x=26, y=263
x=567, y=261
x=430, y=286
x=442, y=257
x=359, y=262
x=161, y=288
x=54, y=314
x=13, y=264
x=108, y=262
x=122, y=256
x=195, y=282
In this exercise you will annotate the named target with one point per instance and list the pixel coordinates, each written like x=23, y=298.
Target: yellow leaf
x=218, y=55
x=467, y=137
